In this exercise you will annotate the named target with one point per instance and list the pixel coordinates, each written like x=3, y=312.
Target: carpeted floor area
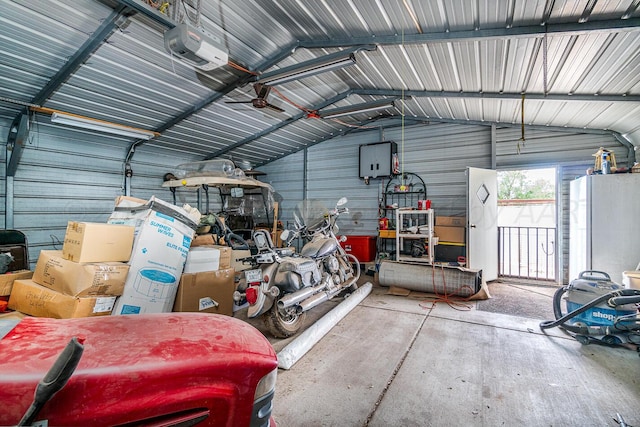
x=522, y=299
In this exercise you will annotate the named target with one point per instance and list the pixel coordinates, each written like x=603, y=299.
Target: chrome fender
x=265, y=298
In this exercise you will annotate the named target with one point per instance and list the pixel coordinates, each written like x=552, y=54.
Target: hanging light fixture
x=101, y=125
x=366, y=107
x=310, y=68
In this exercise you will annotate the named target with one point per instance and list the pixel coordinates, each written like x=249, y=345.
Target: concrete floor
x=398, y=361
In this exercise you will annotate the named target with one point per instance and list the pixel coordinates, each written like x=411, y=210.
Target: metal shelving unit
x=402, y=191
x=415, y=226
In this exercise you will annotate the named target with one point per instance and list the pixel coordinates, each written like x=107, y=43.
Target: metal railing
x=527, y=252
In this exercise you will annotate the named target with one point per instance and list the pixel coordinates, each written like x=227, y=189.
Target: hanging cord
x=544, y=60
x=521, y=124
x=402, y=124
x=454, y=301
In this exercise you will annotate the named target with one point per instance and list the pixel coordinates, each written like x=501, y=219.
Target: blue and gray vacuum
x=599, y=311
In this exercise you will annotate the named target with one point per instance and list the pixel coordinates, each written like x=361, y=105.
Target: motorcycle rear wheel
x=282, y=324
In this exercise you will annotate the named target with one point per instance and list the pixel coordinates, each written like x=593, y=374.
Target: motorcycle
x=284, y=285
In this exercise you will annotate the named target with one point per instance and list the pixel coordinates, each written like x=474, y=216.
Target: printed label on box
x=207, y=302
x=130, y=309
x=104, y=304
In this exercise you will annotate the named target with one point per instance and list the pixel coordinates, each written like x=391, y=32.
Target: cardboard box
x=207, y=258
x=452, y=221
x=79, y=279
x=6, y=280
x=95, y=242
x=206, y=292
x=450, y=234
x=203, y=240
x=163, y=234
x=30, y=298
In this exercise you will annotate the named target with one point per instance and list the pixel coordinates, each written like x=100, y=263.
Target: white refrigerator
x=604, y=222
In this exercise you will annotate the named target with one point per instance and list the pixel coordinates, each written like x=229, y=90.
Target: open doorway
x=527, y=229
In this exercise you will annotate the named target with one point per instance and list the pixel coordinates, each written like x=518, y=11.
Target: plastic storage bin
x=361, y=247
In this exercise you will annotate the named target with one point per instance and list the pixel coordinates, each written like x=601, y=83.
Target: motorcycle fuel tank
x=319, y=248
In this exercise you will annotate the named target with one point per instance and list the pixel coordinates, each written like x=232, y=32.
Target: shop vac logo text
x=601, y=315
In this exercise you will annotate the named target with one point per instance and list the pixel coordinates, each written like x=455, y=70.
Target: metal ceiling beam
x=148, y=11
x=18, y=133
x=617, y=135
x=497, y=95
x=108, y=26
x=573, y=28
x=210, y=99
x=115, y=18
x=275, y=127
x=494, y=33
x=429, y=120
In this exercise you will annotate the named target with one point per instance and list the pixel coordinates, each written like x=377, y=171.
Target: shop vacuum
x=599, y=311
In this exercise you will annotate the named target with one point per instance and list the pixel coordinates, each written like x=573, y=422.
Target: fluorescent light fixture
x=101, y=126
x=358, y=109
x=310, y=68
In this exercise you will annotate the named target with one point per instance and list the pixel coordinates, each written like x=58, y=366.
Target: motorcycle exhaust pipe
x=312, y=301
x=319, y=298
x=296, y=297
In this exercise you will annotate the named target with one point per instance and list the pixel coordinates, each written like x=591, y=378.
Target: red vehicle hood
x=131, y=364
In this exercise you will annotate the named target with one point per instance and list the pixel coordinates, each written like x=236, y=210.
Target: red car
x=148, y=370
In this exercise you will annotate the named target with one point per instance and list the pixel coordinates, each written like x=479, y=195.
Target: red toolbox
x=361, y=247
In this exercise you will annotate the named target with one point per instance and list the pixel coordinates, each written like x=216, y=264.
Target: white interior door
x=482, y=217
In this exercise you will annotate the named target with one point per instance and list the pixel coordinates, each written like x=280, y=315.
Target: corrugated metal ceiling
x=465, y=60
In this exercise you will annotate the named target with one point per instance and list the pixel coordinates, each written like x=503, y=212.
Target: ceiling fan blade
x=238, y=102
x=262, y=90
x=274, y=107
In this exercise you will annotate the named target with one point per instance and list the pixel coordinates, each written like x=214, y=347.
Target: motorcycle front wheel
x=283, y=323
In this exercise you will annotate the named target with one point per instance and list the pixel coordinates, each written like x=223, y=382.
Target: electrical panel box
x=377, y=160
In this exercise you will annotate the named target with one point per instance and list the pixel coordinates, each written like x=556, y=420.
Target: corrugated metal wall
x=69, y=174
x=72, y=175
x=439, y=154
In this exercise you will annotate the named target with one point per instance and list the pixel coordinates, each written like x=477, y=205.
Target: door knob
x=472, y=225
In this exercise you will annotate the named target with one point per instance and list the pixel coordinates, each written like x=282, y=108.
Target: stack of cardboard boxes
x=131, y=265
x=208, y=281
x=83, y=279
x=163, y=235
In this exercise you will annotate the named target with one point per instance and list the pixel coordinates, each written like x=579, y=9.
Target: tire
x=280, y=325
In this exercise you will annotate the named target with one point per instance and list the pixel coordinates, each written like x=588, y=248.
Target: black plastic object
x=55, y=379
x=15, y=243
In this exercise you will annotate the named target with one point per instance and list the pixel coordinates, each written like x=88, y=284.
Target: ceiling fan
x=260, y=101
